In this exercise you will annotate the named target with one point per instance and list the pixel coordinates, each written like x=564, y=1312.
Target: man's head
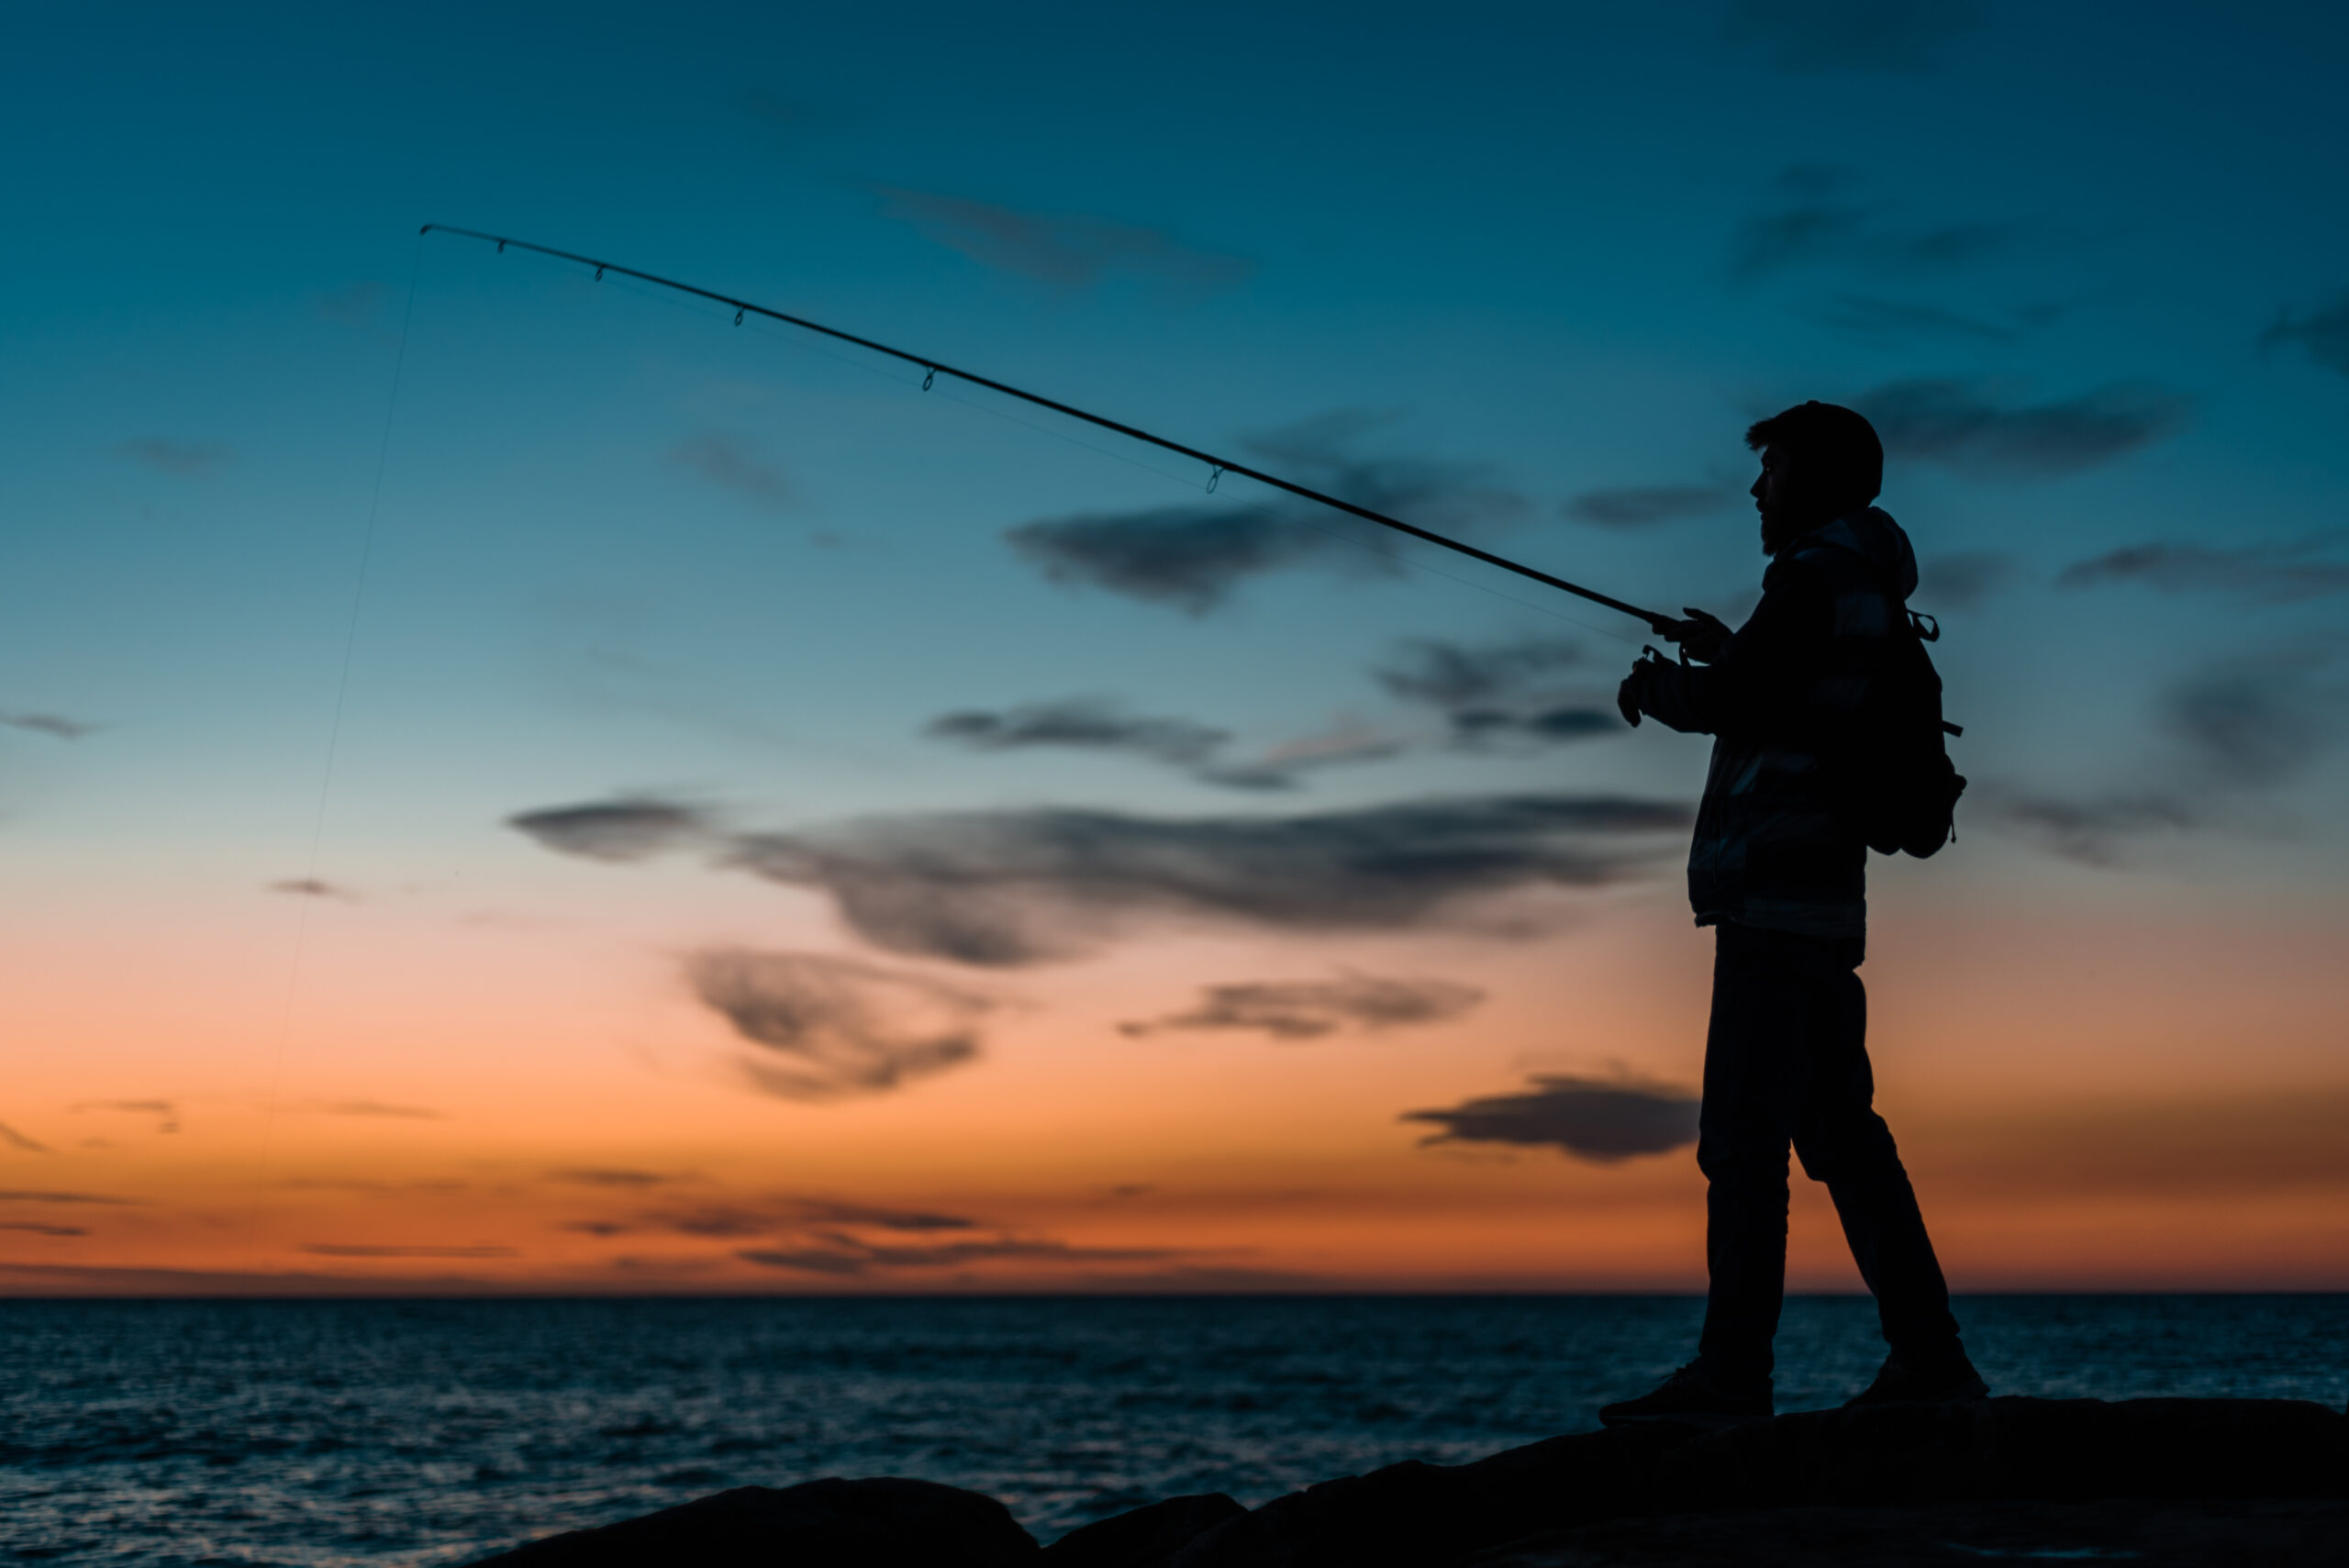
x=1819, y=462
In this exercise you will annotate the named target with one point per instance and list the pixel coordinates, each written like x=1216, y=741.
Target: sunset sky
x=712, y=815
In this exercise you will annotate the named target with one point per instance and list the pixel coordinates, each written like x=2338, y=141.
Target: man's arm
x=1755, y=683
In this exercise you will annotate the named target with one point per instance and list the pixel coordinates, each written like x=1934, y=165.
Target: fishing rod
x=932, y=369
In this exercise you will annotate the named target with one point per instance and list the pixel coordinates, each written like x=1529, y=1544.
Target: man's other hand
x=1703, y=635
x=1631, y=695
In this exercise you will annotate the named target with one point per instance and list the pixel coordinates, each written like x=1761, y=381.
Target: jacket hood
x=1872, y=534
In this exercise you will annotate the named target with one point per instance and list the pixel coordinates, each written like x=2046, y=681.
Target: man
x=1781, y=878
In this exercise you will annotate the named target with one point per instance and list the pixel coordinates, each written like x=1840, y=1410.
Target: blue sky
x=1526, y=272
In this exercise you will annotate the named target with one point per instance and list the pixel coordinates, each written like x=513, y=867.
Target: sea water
x=410, y=1432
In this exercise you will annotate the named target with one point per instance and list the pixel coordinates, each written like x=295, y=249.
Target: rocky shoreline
x=2159, y=1482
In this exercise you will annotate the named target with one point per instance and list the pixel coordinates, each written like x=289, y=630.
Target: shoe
x=1943, y=1383
x=1693, y=1396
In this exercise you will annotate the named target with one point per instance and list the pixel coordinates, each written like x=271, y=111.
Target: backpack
x=1894, y=783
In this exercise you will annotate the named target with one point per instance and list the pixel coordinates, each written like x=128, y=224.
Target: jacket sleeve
x=1756, y=686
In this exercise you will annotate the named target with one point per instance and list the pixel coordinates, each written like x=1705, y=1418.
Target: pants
x=1787, y=1061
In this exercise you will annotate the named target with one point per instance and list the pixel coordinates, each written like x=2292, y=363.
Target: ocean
x=414, y=1432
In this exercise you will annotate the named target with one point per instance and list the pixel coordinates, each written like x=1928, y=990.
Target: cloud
x=1805, y=37
x=21, y=1196
x=1028, y=885
x=312, y=887
x=354, y=1250
x=1498, y=692
x=1087, y=723
x=824, y=1211
x=2324, y=333
x=2276, y=574
x=1644, y=505
x=1815, y=217
x=2236, y=729
x=1962, y=426
x=48, y=724
x=40, y=1229
x=839, y=1255
x=353, y=306
x=377, y=1108
x=181, y=460
x=1454, y=675
x=1603, y=1120
x=632, y=828
x=607, y=1176
x=19, y=1141
x=138, y=1107
x=835, y=1027
x=1963, y=580
x=1192, y=557
x=1064, y=251
x=1308, y=1009
x=1188, y=557
x=731, y=463
x=1098, y=723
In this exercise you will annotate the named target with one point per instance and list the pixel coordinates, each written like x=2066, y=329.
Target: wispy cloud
x=1817, y=214
x=377, y=1108
x=1026, y=886
x=1805, y=37
x=1603, y=1120
x=633, y=828
x=55, y=724
x=2275, y=574
x=19, y=1142
x=22, y=1196
x=1192, y=557
x=829, y=1026
x=1029, y=885
x=844, y=1256
x=1098, y=724
x=1964, y=425
x=1309, y=1009
x=313, y=887
x=733, y=464
x=181, y=460
x=1064, y=251
x=612, y=1176
x=1497, y=694
x=1645, y=505
x=2238, y=728
x=37, y=1228
x=359, y=1250
x=2323, y=332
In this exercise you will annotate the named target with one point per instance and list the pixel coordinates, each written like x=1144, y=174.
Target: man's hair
x=1835, y=448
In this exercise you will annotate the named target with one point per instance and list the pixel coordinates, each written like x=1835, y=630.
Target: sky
x=512, y=782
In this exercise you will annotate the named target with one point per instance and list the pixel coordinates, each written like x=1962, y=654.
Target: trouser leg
x=1756, y=1069
x=1845, y=1144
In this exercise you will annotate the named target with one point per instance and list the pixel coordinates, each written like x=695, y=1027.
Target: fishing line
x=666, y=296
x=334, y=745
x=934, y=368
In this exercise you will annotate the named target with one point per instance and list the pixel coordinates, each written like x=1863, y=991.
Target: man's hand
x=1630, y=697
x=1703, y=635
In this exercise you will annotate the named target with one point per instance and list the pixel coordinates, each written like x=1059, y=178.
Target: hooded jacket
x=1769, y=852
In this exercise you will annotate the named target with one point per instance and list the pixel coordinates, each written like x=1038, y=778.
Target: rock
x=880, y=1523
x=2142, y=1534
x=2174, y=1483
x=1146, y=1537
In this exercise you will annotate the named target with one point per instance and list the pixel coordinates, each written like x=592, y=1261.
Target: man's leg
x=1844, y=1143
x=1756, y=1075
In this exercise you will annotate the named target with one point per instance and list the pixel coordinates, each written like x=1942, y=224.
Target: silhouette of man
x=1783, y=883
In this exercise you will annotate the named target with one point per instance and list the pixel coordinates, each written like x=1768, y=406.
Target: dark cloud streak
x=1309, y=1009
x=830, y=1026
x=1602, y=1120
x=1963, y=426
